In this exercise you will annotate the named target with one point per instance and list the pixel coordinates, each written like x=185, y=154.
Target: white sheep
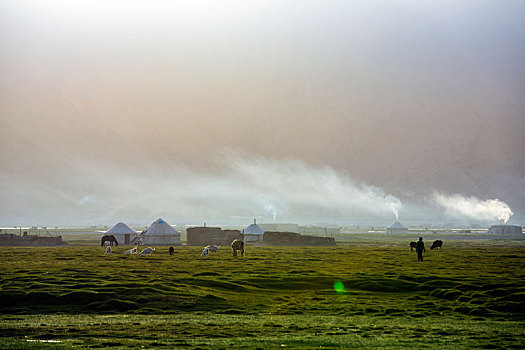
x=205, y=252
x=131, y=251
x=148, y=251
x=212, y=248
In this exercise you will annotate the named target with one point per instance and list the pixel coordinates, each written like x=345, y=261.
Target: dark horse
x=413, y=246
x=111, y=239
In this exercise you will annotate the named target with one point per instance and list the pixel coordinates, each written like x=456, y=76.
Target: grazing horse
x=437, y=244
x=111, y=239
x=171, y=250
x=413, y=246
x=237, y=245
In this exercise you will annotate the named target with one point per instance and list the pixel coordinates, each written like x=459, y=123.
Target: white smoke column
x=302, y=188
x=269, y=207
x=472, y=207
x=395, y=205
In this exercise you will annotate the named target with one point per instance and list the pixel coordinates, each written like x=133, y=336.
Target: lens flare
x=339, y=287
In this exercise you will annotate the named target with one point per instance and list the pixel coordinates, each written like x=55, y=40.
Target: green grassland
x=471, y=294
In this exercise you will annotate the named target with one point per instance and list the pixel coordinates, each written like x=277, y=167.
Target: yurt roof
x=121, y=228
x=161, y=227
x=253, y=229
x=396, y=225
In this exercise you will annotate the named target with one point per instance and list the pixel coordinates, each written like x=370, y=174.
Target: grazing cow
x=131, y=251
x=171, y=250
x=205, y=252
x=237, y=245
x=413, y=246
x=437, y=244
x=108, y=250
x=148, y=251
x=212, y=248
x=111, y=239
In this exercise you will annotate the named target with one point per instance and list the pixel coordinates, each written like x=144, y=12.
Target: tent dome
x=161, y=227
x=253, y=229
x=396, y=225
x=159, y=233
x=253, y=232
x=122, y=233
x=121, y=228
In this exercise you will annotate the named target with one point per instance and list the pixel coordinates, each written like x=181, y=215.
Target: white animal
x=205, y=252
x=108, y=250
x=148, y=251
x=212, y=248
x=131, y=251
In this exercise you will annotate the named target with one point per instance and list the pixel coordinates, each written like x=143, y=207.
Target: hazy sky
x=309, y=111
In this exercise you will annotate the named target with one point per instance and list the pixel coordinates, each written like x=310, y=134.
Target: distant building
x=123, y=233
x=320, y=230
x=253, y=233
x=159, y=233
x=280, y=227
x=396, y=227
x=506, y=229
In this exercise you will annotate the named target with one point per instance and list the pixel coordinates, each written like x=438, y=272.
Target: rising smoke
x=297, y=188
x=472, y=207
x=239, y=185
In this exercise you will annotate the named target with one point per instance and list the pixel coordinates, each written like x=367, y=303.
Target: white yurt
x=159, y=233
x=396, y=227
x=253, y=233
x=123, y=233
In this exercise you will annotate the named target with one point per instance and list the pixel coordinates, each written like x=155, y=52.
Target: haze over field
x=302, y=111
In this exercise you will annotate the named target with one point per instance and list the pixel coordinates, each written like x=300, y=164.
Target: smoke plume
x=239, y=185
x=474, y=208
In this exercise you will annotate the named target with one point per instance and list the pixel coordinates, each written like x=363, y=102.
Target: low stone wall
x=211, y=235
x=506, y=229
x=12, y=240
x=292, y=238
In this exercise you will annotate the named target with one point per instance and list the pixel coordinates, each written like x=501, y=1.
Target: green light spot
x=339, y=287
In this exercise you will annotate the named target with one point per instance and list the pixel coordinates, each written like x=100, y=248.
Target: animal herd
x=237, y=245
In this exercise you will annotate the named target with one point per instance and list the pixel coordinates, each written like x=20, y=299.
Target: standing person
x=420, y=248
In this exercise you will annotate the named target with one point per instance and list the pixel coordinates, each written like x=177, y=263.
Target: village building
x=122, y=233
x=396, y=227
x=506, y=229
x=159, y=233
x=253, y=233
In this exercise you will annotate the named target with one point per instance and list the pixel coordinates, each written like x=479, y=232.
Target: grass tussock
x=284, y=288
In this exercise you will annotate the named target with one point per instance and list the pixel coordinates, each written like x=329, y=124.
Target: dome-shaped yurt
x=122, y=233
x=396, y=227
x=159, y=233
x=253, y=233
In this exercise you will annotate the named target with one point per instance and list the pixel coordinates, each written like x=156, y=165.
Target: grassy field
x=362, y=295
